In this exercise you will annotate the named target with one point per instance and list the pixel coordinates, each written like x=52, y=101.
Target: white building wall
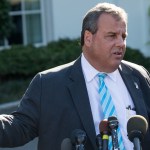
x=138, y=24
x=48, y=23
x=67, y=15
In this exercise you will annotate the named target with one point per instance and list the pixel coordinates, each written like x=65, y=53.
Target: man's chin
x=115, y=66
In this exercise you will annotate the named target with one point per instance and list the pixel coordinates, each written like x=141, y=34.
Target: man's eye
x=112, y=35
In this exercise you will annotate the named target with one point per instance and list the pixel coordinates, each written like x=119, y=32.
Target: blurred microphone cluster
x=136, y=128
x=76, y=142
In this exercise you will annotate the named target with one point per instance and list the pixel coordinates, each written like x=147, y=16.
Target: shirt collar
x=113, y=75
x=90, y=72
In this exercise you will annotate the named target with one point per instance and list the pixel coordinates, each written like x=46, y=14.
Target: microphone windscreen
x=112, y=118
x=136, y=126
x=113, y=122
x=78, y=136
x=66, y=144
x=103, y=126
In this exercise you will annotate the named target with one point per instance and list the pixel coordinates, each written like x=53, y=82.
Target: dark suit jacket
x=56, y=102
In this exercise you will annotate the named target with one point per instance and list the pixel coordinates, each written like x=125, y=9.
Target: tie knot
x=102, y=76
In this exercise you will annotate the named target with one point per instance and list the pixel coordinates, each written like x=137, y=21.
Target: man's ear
x=87, y=38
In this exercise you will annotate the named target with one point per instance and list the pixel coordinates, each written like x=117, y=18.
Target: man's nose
x=120, y=42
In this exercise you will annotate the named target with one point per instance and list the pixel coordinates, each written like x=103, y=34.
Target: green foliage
x=19, y=64
x=12, y=90
x=6, y=24
x=137, y=57
x=25, y=61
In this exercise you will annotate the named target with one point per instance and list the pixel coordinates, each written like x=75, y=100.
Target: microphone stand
x=113, y=125
x=137, y=145
x=99, y=142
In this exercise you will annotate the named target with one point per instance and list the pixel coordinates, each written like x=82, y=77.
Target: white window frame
x=23, y=13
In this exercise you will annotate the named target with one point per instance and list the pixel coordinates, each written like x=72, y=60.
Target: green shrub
x=12, y=90
x=20, y=63
x=5, y=20
x=135, y=56
x=25, y=61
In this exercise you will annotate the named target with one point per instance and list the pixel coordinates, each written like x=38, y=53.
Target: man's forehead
x=107, y=18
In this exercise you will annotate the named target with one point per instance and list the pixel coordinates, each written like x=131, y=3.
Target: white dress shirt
x=119, y=93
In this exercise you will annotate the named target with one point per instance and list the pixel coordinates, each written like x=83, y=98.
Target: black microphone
x=99, y=142
x=137, y=127
x=78, y=139
x=113, y=125
x=104, y=130
x=66, y=144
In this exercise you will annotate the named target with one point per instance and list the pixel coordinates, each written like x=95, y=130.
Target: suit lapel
x=77, y=88
x=134, y=88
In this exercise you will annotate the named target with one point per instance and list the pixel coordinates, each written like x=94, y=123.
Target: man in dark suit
x=65, y=98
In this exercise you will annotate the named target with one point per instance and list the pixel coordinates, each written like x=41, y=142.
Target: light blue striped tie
x=108, y=107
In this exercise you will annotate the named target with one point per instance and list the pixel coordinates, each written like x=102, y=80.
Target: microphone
x=99, y=142
x=104, y=130
x=113, y=125
x=137, y=127
x=66, y=144
x=78, y=139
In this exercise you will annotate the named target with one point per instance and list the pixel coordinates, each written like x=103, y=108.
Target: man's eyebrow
x=111, y=32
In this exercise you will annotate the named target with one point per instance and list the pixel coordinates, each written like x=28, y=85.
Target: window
x=26, y=16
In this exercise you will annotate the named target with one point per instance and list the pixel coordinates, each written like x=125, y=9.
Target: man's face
x=105, y=49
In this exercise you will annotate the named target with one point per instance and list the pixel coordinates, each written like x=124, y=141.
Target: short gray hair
x=92, y=16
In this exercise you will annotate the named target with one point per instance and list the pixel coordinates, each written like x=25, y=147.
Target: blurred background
x=39, y=34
